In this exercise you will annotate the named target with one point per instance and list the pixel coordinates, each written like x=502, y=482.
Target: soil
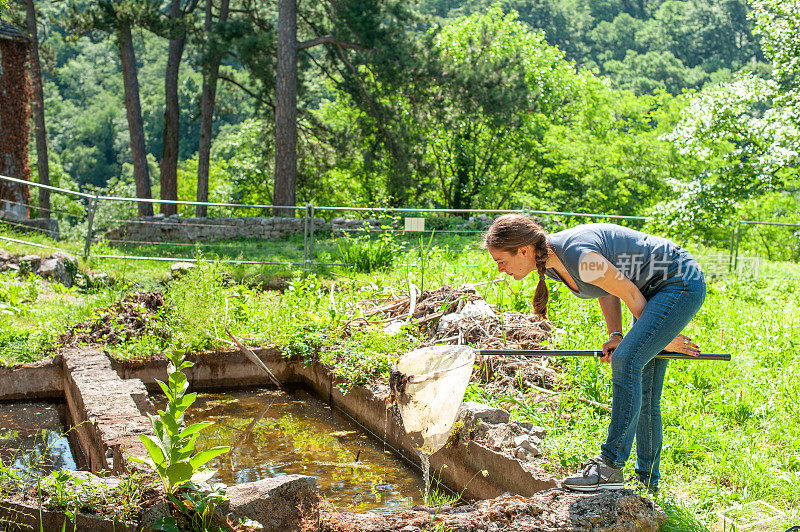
x=138, y=314
x=548, y=511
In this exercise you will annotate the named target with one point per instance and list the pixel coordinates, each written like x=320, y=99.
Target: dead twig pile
x=422, y=307
x=460, y=316
x=512, y=330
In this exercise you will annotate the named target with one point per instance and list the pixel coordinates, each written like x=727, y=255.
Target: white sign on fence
x=415, y=224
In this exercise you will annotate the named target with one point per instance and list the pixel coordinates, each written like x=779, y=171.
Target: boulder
x=54, y=270
x=281, y=504
x=30, y=263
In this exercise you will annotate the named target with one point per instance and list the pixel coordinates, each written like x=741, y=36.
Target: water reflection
x=273, y=433
x=32, y=439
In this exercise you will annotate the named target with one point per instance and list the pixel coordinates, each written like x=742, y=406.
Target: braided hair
x=509, y=233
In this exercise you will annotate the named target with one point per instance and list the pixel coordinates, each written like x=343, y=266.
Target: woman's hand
x=683, y=344
x=609, y=346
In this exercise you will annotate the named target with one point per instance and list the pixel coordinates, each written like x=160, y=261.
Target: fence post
x=311, y=237
x=87, y=246
x=305, y=238
x=730, y=250
x=736, y=249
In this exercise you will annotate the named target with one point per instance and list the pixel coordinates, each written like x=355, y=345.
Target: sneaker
x=595, y=475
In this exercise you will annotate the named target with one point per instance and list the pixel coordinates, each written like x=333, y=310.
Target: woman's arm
x=597, y=270
x=612, y=312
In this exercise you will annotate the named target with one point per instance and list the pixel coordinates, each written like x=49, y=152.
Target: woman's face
x=518, y=264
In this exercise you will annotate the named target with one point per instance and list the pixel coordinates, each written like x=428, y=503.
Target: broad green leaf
x=167, y=524
x=209, y=454
x=195, y=427
x=153, y=449
x=179, y=473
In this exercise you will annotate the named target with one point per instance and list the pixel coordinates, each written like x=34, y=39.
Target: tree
x=373, y=30
x=117, y=18
x=779, y=25
x=176, y=27
x=37, y=107
x=746, y=144
x=496, y=94
x=286, y=108
x=208, y=97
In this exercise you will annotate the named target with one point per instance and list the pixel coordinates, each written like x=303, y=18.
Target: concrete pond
x=307, y=456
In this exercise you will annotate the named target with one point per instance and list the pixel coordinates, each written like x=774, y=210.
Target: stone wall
x=178, y=229
x=185, y=229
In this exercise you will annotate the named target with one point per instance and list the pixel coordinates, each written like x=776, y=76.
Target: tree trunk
x=286, y=108
x=172, y=117
x=141, y=173
x=38, y=112
x=207, y=102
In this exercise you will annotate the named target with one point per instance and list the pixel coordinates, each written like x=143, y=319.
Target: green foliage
x=666, y=44
x=15, y=298
x=172, y=450
x=197, y=509
x=747, y=147
x=365, y=356
x=498, y=87
x=368, y=254
x=778, y=22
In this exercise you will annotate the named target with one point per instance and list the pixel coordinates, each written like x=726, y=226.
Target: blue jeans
x=638, y=377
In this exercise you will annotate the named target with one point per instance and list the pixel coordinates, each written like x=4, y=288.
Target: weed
x=172, y=450
x=366, y=254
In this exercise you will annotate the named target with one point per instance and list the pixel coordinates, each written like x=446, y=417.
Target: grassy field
x=730, y=428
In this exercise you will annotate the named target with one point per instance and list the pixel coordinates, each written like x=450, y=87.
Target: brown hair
x=509, y=233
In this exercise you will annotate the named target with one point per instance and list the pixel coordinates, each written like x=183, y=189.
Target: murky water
x=274, y=433
x=33, y=439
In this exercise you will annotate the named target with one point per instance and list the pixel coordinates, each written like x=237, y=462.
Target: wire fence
x=108, y=228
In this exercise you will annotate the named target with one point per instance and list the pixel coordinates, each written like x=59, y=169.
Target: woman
x=663, y=287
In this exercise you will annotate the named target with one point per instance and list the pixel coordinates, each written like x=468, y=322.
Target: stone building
x=14, y=114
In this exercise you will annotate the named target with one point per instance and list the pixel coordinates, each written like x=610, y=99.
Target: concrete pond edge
x=108, y=401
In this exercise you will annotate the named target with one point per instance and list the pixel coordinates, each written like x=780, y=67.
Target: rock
x=479, y=308
x=521, y=453
x=394, y=327
x=179, y=268
x=530, y=428
x=280, y=504
x=150, y=516
x=55, y=270
x=519, y=440
x=5, y=256
x=496, y=440
x=410, y=528
x=30, y=263
x=531, y=447
x=69, y=260
x=48, y=226
x=471, y=412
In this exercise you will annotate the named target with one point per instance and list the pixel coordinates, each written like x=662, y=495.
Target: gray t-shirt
x=640, y=257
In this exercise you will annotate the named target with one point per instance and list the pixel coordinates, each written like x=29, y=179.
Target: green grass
x=730, y=428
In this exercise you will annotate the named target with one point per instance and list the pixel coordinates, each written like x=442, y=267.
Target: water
x=425, y=464
x=33, y=440
x=275, y=433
